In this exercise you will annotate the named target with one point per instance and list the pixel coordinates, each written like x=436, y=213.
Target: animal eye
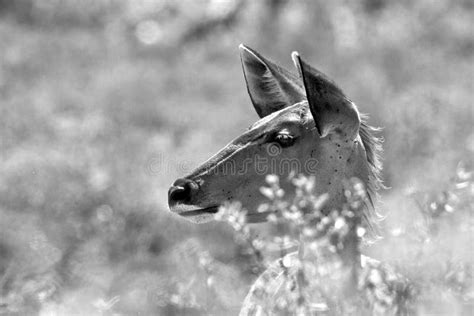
x=284, y=140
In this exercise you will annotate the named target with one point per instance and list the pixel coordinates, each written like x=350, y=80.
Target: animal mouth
x=206, y=210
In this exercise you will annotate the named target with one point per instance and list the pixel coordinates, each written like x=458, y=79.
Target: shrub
x=326, y=275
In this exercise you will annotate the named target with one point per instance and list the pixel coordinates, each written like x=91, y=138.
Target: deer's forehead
x=295, y=115
x=262, y=129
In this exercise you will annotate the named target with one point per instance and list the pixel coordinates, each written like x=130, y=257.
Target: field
x=105, y=103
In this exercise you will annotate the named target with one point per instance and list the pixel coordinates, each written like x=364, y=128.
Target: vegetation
x=325, y=275
x=103, y=104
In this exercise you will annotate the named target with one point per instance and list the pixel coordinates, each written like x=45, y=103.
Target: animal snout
x=182, y=191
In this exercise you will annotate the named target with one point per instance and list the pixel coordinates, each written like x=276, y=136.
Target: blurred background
x=105, y=103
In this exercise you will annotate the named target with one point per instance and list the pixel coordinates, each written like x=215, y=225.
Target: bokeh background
x=105, y=103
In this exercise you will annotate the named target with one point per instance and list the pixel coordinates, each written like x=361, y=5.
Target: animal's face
x=310, y=129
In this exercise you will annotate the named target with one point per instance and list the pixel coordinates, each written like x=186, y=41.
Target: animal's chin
x=196, y=214
x=199, y=215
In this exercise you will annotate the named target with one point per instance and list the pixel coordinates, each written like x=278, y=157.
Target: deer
x=307, y=124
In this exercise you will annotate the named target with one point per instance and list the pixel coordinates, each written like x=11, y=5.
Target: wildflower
x=268, y=193
x=272, y=218
x=263, y=208
x=340, y=222
x=272, y=180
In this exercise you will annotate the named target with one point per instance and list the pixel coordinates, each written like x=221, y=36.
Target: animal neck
x=343, y=265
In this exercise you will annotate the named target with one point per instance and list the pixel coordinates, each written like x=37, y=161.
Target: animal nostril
x=181, y=191
x=177, y=194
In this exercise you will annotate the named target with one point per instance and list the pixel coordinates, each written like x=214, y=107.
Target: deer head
x=307, y=125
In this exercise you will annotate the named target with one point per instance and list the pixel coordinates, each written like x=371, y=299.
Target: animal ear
x=332, y=111
x=271, y=87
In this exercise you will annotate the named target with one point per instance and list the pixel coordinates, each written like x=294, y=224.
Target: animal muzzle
x=183, y=200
